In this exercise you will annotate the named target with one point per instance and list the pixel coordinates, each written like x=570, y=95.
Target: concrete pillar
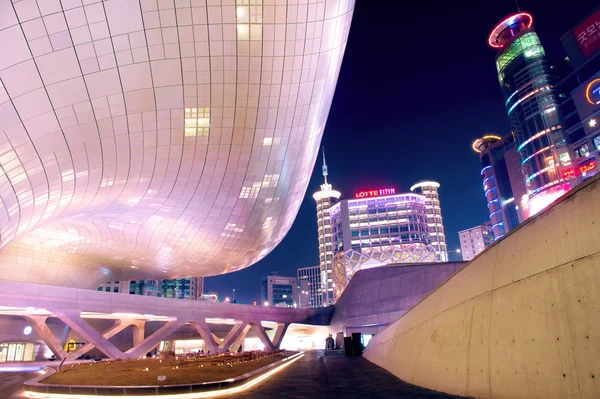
x=139, y=329
x=262, y=335
x=234, y=338
x=279, y=334
x=87, y=332
x=209, y=338
x=117, y=327
x=150, y=342
x=41, y=328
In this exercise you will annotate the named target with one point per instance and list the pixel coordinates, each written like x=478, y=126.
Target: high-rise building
x=580, y=108
x=309, y=287
x=528, y=84
x=435, y=224
x=377, y=228
x=325, y=199
x=503, y=183
x=180, y=288
x=475, y=240
x=280, y=291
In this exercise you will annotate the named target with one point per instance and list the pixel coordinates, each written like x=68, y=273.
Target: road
x=319, y=376
x=11, y=382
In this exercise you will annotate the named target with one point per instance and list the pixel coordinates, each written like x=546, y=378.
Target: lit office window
x=249, y=19
x=197, y=121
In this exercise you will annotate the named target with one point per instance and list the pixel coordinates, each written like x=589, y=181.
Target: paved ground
x=318, y=376
x=314, y=376
x=10, y=382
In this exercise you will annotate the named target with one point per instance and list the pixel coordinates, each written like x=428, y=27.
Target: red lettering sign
x=588, y=34
x=375, y=193
x=587, y=167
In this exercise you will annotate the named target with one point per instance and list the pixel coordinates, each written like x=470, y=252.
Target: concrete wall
x=522, y=320
x=377, y=297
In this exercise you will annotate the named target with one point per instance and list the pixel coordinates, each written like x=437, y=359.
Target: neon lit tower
x=325, y=199
x=527, y=84
x=435, y=225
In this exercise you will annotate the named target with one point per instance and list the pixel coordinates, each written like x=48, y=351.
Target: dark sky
x=417, y=86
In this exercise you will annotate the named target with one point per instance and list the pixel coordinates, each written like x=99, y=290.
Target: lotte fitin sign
x=375, y=193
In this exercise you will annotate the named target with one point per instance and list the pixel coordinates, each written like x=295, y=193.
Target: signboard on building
x=588, y=34
x=586, y=98
x=375, y=193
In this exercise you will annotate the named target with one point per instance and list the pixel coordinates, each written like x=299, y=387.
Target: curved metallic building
x=527, y=83
x=145, y=139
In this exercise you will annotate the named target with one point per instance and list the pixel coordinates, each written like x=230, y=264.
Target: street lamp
x=227, y=299
x=266, y=303
x=458, y=251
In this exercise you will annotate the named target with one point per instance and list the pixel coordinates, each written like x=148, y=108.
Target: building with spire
x=326, y=198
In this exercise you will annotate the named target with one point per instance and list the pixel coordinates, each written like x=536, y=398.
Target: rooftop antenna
x=324, y=167
x=518, y=8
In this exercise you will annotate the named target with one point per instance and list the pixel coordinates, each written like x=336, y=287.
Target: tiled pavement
x=318, y=376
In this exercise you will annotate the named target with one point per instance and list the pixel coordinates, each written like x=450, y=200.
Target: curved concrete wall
x=522, y=320
x=376, y=297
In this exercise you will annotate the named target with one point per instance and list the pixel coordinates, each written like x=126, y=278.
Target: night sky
x=417, y=86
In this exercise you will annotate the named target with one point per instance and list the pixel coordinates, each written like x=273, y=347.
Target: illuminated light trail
x=196, y=395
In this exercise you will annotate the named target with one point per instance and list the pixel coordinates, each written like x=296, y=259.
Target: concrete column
x=234, y=338
x=262, y=335
x=41, y=328
x=279, y=334
x=209, y=338
x=139, y=329
x=117, y=327
x=74, y=320
x=150, y=342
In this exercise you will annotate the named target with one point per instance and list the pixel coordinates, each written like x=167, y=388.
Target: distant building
x=435, y=224
x=210, y=297
x=325, y=199
x=279, y=291
x=180, y=288
x=474, y=240
x=378, y=228
x=309, y=287
x=503, y=183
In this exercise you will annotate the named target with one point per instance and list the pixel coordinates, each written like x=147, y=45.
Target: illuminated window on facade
x=597, y=142
x=249, y=19
x=582, y=151
x=270, y=181
x=197, y=121
x=528, y=44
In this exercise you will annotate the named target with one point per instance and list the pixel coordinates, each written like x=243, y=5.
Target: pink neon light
x=375, y=193
x=542, y=200
x=504, y=24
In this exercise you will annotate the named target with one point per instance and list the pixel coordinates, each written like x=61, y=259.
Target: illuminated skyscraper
x=435, y=225
x=325, y=199
x=377, y=228
x=527, y=83
x=503, y=182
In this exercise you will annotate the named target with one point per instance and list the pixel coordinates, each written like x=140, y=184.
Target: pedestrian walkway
x=319, y=376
